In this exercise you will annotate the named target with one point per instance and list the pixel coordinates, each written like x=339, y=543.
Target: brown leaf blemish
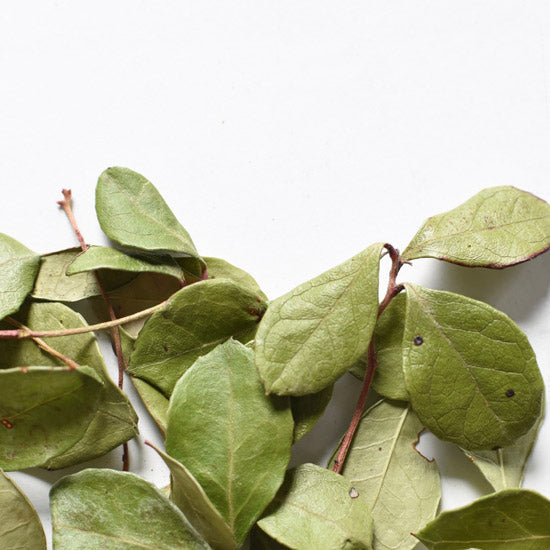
x=6, y=423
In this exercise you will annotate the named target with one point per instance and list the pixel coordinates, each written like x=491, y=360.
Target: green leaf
x=515, y=519
x=504, y=467
x=132, y=213
x=498, y=227
x=470, y=371
x=115, y=420
x=105, y=258
x=53, y=284
x=389, y=379
x=191, y=499
x=195, y=320
x=307, y=409
x=20, y=527
x=402, y=487
x=44, y=412
x=97, y=509
x=155, y=402
x=232, y=437
x=310, y=336
x=18, y=268
x=316, y=508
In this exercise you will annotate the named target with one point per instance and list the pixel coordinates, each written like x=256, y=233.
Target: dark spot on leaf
x=165, y=348
x=418, y=340
x=353, y=493
x=259, y=300
x=497, y=447
x=510, y=393
x=379, y=448
x=164, y=315
x=6, y=423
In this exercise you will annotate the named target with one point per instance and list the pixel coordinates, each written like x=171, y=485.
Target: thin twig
x=393, y=290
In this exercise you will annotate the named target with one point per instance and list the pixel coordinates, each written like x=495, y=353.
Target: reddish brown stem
x=393, y=290
x=67, y=207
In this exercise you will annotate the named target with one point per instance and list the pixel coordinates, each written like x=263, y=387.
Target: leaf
x=471, y=373
x=389, y=379
x=401, y=487
x=232, y=437
x=132, y=213
x=498, y=227
x=105, y=258
x=504, y=468
x=115, y=420
x=512, y=518
x=97, y=509
x=195, y=320
x=53, y=284
x=43, y=412
x=316, y=508
x=307, y=410
x=310, y=336
x=155, y=402
x=20, y=526
x=18, y=268
x=191, y=499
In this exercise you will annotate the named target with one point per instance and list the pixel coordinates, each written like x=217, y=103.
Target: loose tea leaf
x=155, y=402
x=44, y=412
x=307, y=409
x=105, y=258
x=132, y=213
x=191, y=499
x=309, y=337
x=401, y=487
x=195, y=320
x=97, y=509
x=389, y=379
x=504, y=467
x=232, y=437
x=316, y=508
x=20, y=526
x=498, y=227
x=513, y=518
x=18, y=268
x=470, y=371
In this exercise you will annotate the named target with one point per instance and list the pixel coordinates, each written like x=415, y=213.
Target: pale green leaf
x=504, y=467
x=402, y=487
x=105, y=258
x=512, y=519
x=115, y=420
x=104, y=509
x=155, y=402
x=20, y=528
x=309, y=337
x=132, y=213
x=44, y=411
x=316, y=508
x=191, y=499
x=389, y=379
x=53, y=284
x=471, y=373
x=232, y=437
x=307, y=409
x=18, y=268
x=195, y=320
x=498, y=227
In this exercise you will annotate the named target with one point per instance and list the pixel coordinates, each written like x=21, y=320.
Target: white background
x=286, y=136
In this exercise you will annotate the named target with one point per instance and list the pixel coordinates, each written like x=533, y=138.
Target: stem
x=393, y=290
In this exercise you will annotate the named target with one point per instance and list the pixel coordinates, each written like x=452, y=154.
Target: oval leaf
x=44, y=412
x=389, y=379
x=132, y=213
x=18, y=268
x=117, y=510
x=195, y=320
x=514, y=518
x=105, y=258
x=232, y=437
x=470, y=371
x=498, y=227
x=309, y=337
x=20, y=526
x=316, y=508
x=402, y=487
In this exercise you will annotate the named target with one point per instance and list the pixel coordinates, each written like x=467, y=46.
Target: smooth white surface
x=286, y=136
